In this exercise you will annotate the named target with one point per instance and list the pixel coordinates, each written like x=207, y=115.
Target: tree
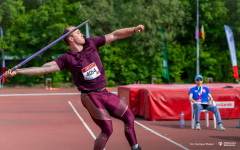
x=32, y=25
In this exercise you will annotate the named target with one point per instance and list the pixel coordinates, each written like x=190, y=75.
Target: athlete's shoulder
x=97, y=41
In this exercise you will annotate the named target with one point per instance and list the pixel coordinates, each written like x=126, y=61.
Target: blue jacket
x=203, y=91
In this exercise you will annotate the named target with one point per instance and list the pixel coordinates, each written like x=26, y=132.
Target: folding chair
x=206, y=116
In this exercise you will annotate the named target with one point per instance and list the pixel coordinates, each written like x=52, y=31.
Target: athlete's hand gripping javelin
x=9, y=73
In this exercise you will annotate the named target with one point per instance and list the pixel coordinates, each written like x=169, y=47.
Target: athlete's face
x=76, y=37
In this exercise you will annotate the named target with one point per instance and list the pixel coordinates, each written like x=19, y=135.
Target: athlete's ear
x=70, y=38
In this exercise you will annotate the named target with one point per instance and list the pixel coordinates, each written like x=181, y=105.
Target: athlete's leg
x=118, y=109
x=101, y=117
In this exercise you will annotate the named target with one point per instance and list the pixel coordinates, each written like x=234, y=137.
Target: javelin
x=45, y=48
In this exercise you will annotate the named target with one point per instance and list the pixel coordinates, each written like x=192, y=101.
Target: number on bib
x=91, y=72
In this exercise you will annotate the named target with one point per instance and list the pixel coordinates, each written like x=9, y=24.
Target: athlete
x=84, y=63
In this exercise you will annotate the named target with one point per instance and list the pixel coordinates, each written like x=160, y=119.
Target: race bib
x=91, y=72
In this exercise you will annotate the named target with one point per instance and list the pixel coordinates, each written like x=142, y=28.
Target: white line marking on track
x=89, y=130
x=43, y=94
x=86, y=126
x=161, y=135
x=116, y=93
x=39, y=94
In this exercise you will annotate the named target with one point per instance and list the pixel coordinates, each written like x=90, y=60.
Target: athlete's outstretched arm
x=46, y=68
x=123, y=33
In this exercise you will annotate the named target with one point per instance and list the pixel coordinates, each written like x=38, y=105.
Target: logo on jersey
x=91, y=72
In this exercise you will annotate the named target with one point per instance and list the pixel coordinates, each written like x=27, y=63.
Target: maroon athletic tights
x=103, y=104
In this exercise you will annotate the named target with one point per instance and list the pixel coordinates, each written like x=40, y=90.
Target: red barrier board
x=166, y=102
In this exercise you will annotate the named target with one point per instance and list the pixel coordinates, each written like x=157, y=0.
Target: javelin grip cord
x=45, y=48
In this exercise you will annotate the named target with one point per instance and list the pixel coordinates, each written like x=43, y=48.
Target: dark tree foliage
x=31, y=25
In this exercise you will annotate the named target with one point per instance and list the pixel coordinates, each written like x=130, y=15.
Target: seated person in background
x=202, y=99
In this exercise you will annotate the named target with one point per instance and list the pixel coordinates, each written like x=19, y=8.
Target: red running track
x=47, y=122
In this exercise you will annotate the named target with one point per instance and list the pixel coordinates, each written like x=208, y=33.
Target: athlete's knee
x=107, y=130
x=129, y=117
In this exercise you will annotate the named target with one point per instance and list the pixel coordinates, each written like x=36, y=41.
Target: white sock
x=135, y=146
